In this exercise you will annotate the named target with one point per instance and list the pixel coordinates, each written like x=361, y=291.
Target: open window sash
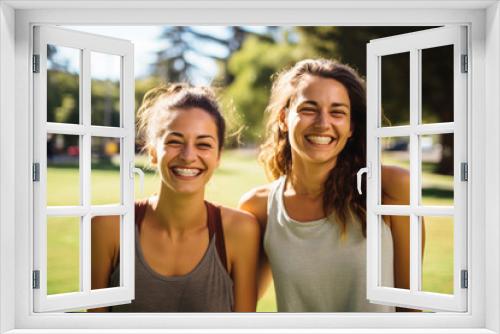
x=83, y=297
x=414, y=43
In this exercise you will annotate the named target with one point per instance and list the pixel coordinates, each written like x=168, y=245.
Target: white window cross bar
x=421, y=129
x=93, y=130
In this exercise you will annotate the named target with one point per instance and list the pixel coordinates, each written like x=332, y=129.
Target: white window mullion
x=86, y=153
x=405, y=210
x=415, y=267
x=105, y=131
x=420, y=129
x=373, y=176
x=127, y=227
x=96, y=210
x=414, y=168
x=78, y=129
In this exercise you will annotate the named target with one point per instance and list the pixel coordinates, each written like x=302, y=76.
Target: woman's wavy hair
x=340, y=197
x=157, y=102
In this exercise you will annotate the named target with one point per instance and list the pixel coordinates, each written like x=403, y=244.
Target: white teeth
x=320, y=139
x=186, y=171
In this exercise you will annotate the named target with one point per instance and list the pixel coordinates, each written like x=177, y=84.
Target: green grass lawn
x=238, y=172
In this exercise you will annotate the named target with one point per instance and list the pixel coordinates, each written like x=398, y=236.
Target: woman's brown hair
x=164, y=98
x=340, y=197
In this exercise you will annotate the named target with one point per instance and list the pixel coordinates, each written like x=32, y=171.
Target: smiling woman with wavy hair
x=313, y=220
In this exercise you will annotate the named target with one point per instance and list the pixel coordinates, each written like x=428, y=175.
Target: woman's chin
x=321, y=157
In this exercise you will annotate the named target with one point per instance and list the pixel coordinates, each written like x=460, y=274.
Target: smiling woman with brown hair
x=191, y=255
x=312, y=218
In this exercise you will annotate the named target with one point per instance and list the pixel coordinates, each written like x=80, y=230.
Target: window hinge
x=465, y=65
x=36, y=63
x=464, y=170
x=36, y=172
x=464, y=279
x=36, y=279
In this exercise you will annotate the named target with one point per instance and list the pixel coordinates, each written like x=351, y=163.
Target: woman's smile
x=321, y=140
x=186, y=173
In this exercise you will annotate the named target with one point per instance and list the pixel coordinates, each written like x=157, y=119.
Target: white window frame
x=414, y=44
x=86, y=44
x=16, y=20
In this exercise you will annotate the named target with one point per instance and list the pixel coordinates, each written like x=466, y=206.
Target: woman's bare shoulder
x=255, y=202
x=238, y=222
x=106, y=231
x=106, y=223
x=396, y=183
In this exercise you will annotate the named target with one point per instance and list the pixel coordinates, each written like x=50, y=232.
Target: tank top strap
x=214, y=222
x=274, y=197
x=140, y=211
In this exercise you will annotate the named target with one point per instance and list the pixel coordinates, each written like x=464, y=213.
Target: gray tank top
x=207, y=288
x=314, y=269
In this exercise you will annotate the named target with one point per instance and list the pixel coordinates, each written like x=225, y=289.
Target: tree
x=252, y=68
x=177, y=61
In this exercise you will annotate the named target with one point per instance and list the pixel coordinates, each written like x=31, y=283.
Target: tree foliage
x=252, y=68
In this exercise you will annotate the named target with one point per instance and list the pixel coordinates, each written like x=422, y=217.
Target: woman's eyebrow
x=309, y=102
x=173, y=133
x=205, y=136
x=339, y=104
x=334, y=104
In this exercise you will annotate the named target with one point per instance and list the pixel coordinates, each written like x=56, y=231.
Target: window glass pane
x=437, y=262
x=106, y=184
x=437, y=169
x=388, y=255
x=105, y=236
x=395, y=89
x=395, y=151
x=105, y=88
x=437, y=84
x=63, y=254
x=63, y=84
x=63, y=172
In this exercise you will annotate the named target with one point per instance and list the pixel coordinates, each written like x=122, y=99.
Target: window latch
x=359, y=175
x=138, y=171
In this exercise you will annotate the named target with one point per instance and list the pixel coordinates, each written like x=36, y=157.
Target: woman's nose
x=188, y=153
x=322, y=120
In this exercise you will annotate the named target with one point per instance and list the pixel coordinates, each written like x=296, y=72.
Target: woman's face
x=319, y=120
x=187, y=153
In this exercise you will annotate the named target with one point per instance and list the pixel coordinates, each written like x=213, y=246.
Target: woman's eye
x=338, y=113
x=307, y=110
x=173, y=142
x=205, y=146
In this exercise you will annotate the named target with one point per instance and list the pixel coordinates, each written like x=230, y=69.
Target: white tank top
x=314, y=270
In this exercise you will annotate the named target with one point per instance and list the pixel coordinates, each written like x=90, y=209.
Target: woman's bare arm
x=255, y=202
x=105, y=250
x=241, y=233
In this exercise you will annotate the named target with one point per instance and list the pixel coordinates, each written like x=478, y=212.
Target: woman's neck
x=308, y=179
x=180, y=213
